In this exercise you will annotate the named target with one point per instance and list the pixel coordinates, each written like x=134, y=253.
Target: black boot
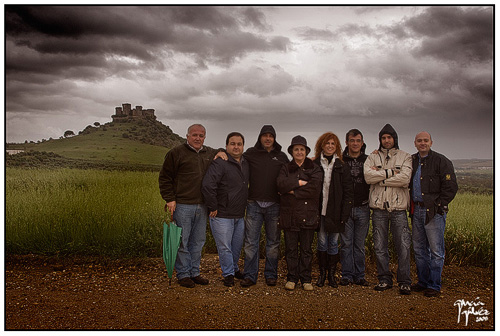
x=332, y=267
x=323, y=263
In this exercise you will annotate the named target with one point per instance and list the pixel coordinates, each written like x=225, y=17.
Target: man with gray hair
x=180, y=186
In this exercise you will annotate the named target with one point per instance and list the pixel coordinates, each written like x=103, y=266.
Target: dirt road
x=81, y=294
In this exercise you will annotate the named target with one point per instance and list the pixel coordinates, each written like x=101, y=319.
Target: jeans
x=299, y=264
x=253, y=224
x=428, y=245
x=192, y=218
x=402, y=240
x=352, y=253
x=327, y=241
x=228, y=234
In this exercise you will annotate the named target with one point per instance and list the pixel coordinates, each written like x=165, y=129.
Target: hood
x=267, y=129
x=388, y=129
x=346, y=151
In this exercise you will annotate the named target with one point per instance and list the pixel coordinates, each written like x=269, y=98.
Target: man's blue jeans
x=402, y=240
x=327, y=241
x=352, y=253
x=256, y=215
x=228, y=234
x=429, y=248
x=192, y=218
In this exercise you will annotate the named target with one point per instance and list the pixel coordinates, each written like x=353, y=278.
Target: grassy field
x=102, y=145
x=110, y=213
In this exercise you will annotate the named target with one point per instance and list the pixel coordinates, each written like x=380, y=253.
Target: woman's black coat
x=299, y=210
x=340, y=196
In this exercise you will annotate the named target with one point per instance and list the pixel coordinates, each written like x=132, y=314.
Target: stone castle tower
x=126, y=111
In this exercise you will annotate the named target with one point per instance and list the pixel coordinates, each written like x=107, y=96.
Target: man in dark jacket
x=180, y=186
x=265, y=160
x=433, y=186
x=356, y=228
x=225, y=188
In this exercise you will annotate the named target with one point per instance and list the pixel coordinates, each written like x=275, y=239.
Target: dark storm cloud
x=145, y=35
x=457, y=34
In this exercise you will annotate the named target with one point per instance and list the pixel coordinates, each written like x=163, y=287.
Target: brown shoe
x=246, y=282
x=417, y=288
x=199, y=280
x=429, y=292
x=239, y=275
x=186, y=282
x=270, y=282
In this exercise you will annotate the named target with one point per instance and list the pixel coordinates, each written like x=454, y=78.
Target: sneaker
x=345, y=282
x=290, y=285
x=405, y=290
x=200, y=280
x=229, y=281
x=362, y=282
x=270, y=282
x=429, y=292
x=307, y=286
x=382, y=286
x=186, y=282
x=239, y=275
x=246, y=282
x=417, y=288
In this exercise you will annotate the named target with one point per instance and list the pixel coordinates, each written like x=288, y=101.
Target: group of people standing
x=331, y=194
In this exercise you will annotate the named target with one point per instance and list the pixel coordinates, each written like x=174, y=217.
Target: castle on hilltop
x=126, y=111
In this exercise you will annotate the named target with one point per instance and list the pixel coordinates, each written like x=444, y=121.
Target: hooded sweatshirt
x=264, y=168
x=388, y=172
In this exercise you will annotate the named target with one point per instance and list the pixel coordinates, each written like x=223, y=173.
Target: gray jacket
x=389, y=180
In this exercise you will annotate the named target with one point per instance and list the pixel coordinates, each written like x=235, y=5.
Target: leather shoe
x=270, y=281
x=239, y=275
x=246, y=282
x=362, y=282
x=344, y=281
x=229, y=281
x=417, y=288
x=429, y=292
x=186, y=282
x=199, y=280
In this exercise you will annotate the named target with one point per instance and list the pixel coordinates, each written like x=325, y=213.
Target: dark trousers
x=298, y=255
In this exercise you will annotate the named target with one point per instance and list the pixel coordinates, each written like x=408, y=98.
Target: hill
x=137, y=142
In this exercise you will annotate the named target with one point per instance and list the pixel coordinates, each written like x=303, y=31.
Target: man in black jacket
x=265, y=160
x=433, y=186
x=180, y=186
x=356, y=228
x=225, y=189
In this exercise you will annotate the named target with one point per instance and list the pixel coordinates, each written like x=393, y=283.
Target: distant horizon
x=247, y=143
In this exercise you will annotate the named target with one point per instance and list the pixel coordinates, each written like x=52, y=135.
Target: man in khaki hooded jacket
x=388, y=172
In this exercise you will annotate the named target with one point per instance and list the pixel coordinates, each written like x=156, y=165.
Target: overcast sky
x=305, y=70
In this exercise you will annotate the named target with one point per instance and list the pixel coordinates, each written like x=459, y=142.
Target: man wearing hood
x=265, y=160
x=388, y=172
x=356, y=228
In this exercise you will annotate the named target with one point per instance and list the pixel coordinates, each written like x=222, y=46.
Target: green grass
x=111, y=213
x=469, y=235
x=70, y=211
x=103, y=145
